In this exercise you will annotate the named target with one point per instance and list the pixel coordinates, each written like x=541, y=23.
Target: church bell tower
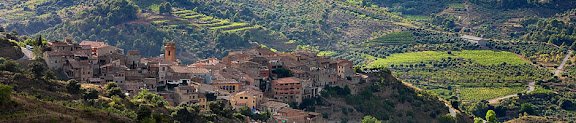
x=170, y=52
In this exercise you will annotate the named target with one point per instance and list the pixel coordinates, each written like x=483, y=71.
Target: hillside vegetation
x=9, y=49
x=384, y=98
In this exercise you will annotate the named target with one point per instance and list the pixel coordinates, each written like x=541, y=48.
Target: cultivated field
x=485, y=93
x=483, y=57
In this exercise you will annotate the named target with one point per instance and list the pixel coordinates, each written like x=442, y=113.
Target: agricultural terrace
x=483, y=57
x=486, y=93
x=325, y=53
x=188, y=19
x=457, y=6
x=454, y=74
x=536, y=52
x=395, y=38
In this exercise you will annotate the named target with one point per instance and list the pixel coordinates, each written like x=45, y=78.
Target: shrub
x=5, y=91
x=491, y=116
x=527, y=108
x=446, y=119
x=73, y=86
x=9, y=65
x=92, y=94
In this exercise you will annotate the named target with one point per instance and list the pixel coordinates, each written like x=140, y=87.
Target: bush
x=491, y=116
x=446, y=119
x=9, y=65
x=37, y=69
x=73, y=86
x=567, y=104
x=5, y=91
x=143, y=112
x=110, y=85
x=115, y=91
x=92, y=94
x=281, y=72
x=527, y=108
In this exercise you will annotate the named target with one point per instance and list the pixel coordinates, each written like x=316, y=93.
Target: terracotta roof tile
x=133, y=52
x=193, y=70
x=92, y=43
x=64, y=53
x=288, y=80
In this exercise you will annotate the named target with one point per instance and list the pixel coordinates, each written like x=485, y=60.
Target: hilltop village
x=257, y=78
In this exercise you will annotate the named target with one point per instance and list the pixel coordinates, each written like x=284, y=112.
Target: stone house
x=249, y=98
x=287, y=89
x=79, y=70
x=273, y=106
x=55, y=60
x=189, y=95
x=105, y=49
x=133, y=59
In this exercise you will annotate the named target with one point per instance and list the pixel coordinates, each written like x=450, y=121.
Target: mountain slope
x=26, y=109
x=385, y=98
x=9, y=49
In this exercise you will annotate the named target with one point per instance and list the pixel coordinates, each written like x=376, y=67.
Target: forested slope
x=385, y=98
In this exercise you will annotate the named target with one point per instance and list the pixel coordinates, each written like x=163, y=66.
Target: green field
x=244, y=28
x=395, y=38
x=483, y=57
x=486, y=93
x=230, y=26
x=207, y=21
x=222, y=22
x=541, y=90
x=417, y=17
x=457, y=6
x=325, y=53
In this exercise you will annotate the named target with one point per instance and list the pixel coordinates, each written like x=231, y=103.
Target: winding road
x=531, y=84
x=27, y=54
x=450, y=108
x=557, y=72
x=531, y=88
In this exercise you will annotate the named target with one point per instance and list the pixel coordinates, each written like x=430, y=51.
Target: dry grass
x=44, y=111
x=530, y=119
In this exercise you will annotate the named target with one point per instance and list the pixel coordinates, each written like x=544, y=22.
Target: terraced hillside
x=190, y=20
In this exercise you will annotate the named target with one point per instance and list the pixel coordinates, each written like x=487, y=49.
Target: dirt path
x=531, y=88
x=450, y=108
x=557, y=72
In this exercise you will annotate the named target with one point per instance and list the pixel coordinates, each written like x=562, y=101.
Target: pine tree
x=168, y=8
x=162, y=8
x=573, y=46
x=39, y=40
